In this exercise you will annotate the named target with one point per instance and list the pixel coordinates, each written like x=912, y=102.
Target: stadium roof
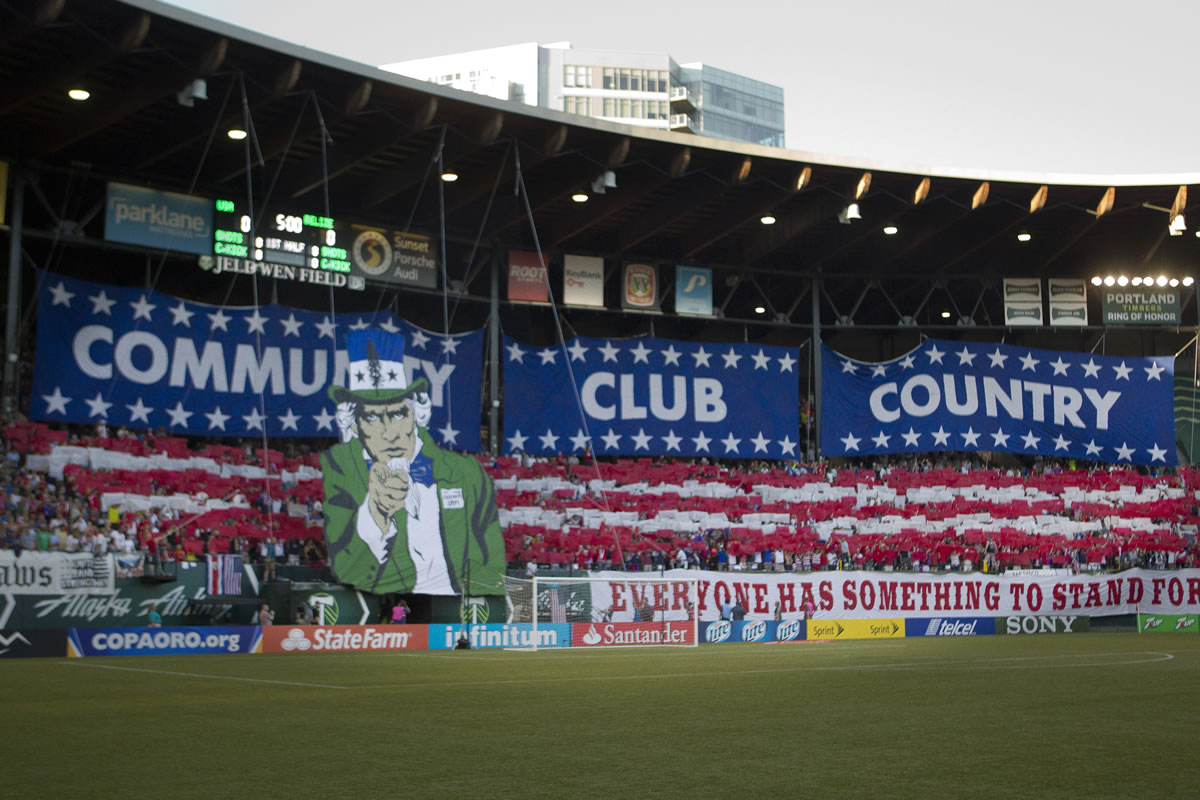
x=327, y=133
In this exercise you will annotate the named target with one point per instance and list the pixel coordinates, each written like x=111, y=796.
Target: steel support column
x=494, y=358
x=816, y=363
x=12, y=346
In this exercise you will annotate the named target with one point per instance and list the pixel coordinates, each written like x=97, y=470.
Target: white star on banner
x=515, y=353
x=181, y=316
x=701, y=442
x=419, y=339
x=1093, y=449
x=1060, y=442
x=910, y=438
x=1030, y=440
x=449, y=435
x=609, y=352
x=179, y=417
x=61, y=297
x=997, y=358
x=879, y=371
x=999, y=438
x=291, y=325
x=970, y=438
x=1091, y=369
x=359, y=325
x=449, y=346
x=218, y=320
x=786, y=363
x=324, y=420
x=760, y=443
x=390, y=326
x=216, y=418
x=580, y=440
x=142, y=308
x=761, y=360
x=254, y=420
x=641, y=353
x=850, y=366
x=908, y=362
x=641, y=440
x=1153, y=371
x=701, y=357
x=850, y=441
x=549, y=440
x=1122, y=372
x=1028, y=362
x=255, y=323
x=611, y=440
x=326, y=327
x=935, y=355
x=288, y=420
x=56, y=401
x=670, y=355
x=1157, y=453
x=731, y=443
x=882, y=439
x=1124, y=452
x=787, y=446
x=672, y=441
x=516, y=441
x=941, y=436
x=97, y=406
x=548, y=355
x=731, y=358
x=102, y=305
x=965, y=356
x=139, y=411
x=578, y=351
x=1060, y=366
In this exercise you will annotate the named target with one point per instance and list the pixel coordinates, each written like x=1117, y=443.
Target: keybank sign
x=147, y=217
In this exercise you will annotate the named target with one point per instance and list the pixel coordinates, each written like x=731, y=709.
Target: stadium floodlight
x=890, y=230
x=1122, y=280
x=580, y=197
x=1109, y=280
x=1188, y=280
x=237, y=134
x=1136, y=281
x=78, y=94
x=759, y=310
x=1097, y=280
x=1173, y=282
x=848, y=213
x=767, y=219
x=1177, y=226
x=1162, y=280
x=1024, y=236
x=449, y=177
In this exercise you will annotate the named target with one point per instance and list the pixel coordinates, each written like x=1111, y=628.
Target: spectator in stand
x=154, y=619
x=400, y=612
x=265, y=615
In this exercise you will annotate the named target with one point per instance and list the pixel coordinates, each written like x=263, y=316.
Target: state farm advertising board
x=526, y=277
x=343, y=638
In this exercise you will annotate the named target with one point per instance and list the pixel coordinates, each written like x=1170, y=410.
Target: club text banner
x=652, y=397
x=998, y=398
x=143, y=359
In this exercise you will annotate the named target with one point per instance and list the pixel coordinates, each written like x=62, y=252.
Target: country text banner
x=652, y=397
x=999, y=398
x=144, y=359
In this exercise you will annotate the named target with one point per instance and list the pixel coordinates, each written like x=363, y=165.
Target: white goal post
x=635, y=610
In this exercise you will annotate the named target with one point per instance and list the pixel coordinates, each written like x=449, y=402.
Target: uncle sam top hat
x=376, y=373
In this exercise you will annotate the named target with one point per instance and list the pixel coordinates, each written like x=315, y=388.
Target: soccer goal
x=624, y=611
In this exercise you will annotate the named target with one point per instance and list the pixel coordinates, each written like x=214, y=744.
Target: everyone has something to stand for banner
x=143, y=359
x=999, y=398
x=652, y=397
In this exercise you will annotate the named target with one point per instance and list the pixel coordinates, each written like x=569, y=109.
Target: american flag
x=224, y=574
x=558, y=605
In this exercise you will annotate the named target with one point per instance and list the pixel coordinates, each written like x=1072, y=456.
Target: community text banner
x=652, y=397
x=148, y=360
x=998, y=398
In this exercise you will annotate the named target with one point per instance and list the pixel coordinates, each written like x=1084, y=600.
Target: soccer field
x=1079, y=716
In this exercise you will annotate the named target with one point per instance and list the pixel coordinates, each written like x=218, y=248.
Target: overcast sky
x=1056, y=87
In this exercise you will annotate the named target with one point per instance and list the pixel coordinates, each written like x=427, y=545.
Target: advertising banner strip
x=1148, y=305
x=640, y=288
x=1029, y=624
x=491, y=636
x=630, y=634
x=693, y=290
x=343, y=638
x=1168, y=623
x=583, y=281
x=83, y=642
x=37, y=573
x=33, y=643
x=950, y=626
x=835, y=629
x=954, y=396
x=527, y=277
x=762, y=630
x=651, y=397
x=152, y=218
x=147, y=360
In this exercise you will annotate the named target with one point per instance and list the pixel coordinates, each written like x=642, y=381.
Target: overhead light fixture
x=237, y=134
x=1024, y=236
x=864, y=183
x=1173, y=282
x=981, y=195
x=890, y=230
x=767, y=219
x=1162, y=280
x=922, y=192
x=449, y=177
x=803, y=177
x=580, y=197
x=1097, y=280
x=1189, y=280
x=1038, y=201
x=78, y=94
x=1177, y=226
x=1148, y=281
x=945, y=315
x=1137, y=281
x=759, y=310
x=848, y=213
x=1109, y=280
x=1122, y=280
x=1106, y=202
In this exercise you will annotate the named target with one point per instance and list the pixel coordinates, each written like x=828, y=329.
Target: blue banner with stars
x=652, y=397
x=147, y=360
x=999, y=398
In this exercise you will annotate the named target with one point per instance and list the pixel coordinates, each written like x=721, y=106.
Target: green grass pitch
x=1100, y=715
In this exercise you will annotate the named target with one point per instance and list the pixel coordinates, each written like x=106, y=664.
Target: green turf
x=1079, y=716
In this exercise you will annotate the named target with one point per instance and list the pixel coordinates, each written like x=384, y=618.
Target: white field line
x=203, y=675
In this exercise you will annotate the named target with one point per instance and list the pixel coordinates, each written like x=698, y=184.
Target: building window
x=623, y=82
x=610, y=78
x=577, y=77
x=610, y=107
x=625, y=109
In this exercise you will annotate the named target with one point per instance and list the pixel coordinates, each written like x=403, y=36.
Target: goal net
x=630, y=611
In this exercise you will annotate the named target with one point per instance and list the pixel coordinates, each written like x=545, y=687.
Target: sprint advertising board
x=752, y=630
x=856, y=629
x=1168, y=623
x=163, y=641
x=950, y=626
x=498, y=636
